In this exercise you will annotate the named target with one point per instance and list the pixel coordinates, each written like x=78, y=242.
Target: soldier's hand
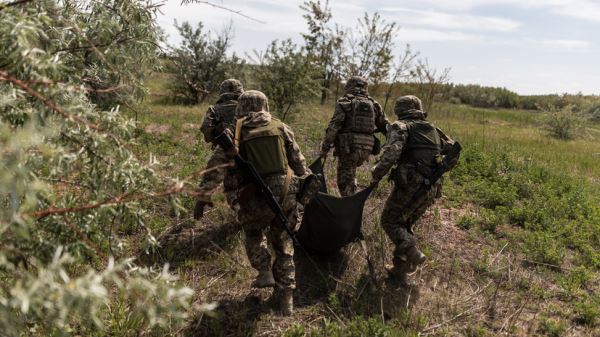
x=374, y=183
x=199, y=208
x=324, y=153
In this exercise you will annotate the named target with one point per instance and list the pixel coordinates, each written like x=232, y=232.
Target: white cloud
x=417, y=34
x=568, y=45
x=453, y=21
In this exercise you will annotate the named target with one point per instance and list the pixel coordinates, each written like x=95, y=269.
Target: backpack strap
x=286, y=186
x=238, y=131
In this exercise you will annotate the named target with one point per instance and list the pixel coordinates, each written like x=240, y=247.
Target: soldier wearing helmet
x=351, y=131
x=413, y=149
x=218, y=118
x=270, y=146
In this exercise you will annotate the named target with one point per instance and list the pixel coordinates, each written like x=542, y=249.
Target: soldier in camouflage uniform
x=414, y=147
x=356, y=118
x=218, y=118
x=270, y=146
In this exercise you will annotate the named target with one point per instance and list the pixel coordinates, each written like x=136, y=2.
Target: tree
x=322, y=43
x=402, y=71
x=201, y=63
x=429, y=81
x=69, y=184
x=371, y=50
x=286, y=76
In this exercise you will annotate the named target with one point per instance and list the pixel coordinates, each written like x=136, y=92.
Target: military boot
x=286, y=302
x=264, y=279
x=414, y=258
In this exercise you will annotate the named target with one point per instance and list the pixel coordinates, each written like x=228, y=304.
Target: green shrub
x=563, y=124
x=552, y=328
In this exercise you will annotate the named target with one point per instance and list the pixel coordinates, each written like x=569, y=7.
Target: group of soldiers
x=412, y=150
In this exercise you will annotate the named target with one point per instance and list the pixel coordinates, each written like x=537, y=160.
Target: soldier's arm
x=381, y=122
x=392, y=151
x=336, y=123
x=447, y=143
x=208, y=125
x=295, y=158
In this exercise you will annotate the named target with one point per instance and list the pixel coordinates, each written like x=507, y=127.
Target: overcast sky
x=529, y=46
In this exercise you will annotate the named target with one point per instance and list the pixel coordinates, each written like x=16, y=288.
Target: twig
x=439, y=325
x=14, y=3
x=85, y=238
x=238, y=12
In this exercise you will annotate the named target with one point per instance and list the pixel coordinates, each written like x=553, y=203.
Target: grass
x=513, y=246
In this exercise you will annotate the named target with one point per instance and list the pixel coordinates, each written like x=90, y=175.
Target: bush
x=563, y=124
x=286, y=76
x=201, y=63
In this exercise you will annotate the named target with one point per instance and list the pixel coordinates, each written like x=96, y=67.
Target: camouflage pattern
x=400, y=213
x=351, y=148
x=256, y=218
x=217, y=119
x=346, y=170
x=405, y=104
x=252, y=101
x=231, y=86
x=221, y=116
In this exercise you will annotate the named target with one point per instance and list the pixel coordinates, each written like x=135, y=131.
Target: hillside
x=513, y=246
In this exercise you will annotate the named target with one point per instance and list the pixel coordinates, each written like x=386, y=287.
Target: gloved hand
x=324, y=153
x=199, y=208
x=373, y=182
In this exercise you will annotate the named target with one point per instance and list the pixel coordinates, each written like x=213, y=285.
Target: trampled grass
x=513, y=246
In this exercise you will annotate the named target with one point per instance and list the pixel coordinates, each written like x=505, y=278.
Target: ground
x=488, y=273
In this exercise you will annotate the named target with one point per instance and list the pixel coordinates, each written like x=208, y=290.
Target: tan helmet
x=231, y=86
x=252, y=101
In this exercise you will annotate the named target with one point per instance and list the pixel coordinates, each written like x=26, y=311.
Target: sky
x=528, y=46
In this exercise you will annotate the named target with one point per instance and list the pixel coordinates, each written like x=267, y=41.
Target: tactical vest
x=264, y=147
x=423, y=143
x=225, y=113
x=360, y=118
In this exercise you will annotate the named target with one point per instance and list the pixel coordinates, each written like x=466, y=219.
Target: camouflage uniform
x=357, y=116
x=413, y=146
x=218, y=118
x=257, y=219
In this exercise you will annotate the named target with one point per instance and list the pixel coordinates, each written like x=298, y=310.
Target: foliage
x=323, y=43
x=483, y=97
x=371, y=48
x=563, y=123
x=553, y=209
x=69, y=185
x=201, y=63
x=286, y=76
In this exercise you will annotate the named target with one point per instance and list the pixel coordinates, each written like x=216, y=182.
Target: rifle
x=226, y=143
x=437, y=173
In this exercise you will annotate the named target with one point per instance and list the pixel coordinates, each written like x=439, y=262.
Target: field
x=513, y=245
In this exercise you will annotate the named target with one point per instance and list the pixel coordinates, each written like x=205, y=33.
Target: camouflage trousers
x=212, y=179
x=399, y=215
x=261, y=231
x=346, y=170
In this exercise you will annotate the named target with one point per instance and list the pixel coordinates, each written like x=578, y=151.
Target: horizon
x=494, y=43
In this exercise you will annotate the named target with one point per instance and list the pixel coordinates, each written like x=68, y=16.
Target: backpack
x=264, y=147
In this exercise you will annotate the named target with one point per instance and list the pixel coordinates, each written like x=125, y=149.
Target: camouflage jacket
x=397, y=138
x=219, y=117
x=295, y=158
x=342, y=107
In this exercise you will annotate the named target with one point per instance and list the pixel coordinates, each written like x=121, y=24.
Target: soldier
x=218, y=118
x=357, y=116
x=270, y=146
x=414, y=146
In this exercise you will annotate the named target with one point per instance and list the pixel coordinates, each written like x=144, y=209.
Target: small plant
x=552, y=328
x=588, y=311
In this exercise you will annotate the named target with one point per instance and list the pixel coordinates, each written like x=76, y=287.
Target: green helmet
x=407, y=106
x=252, y=101
x=231, y=86
x=356, y=85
